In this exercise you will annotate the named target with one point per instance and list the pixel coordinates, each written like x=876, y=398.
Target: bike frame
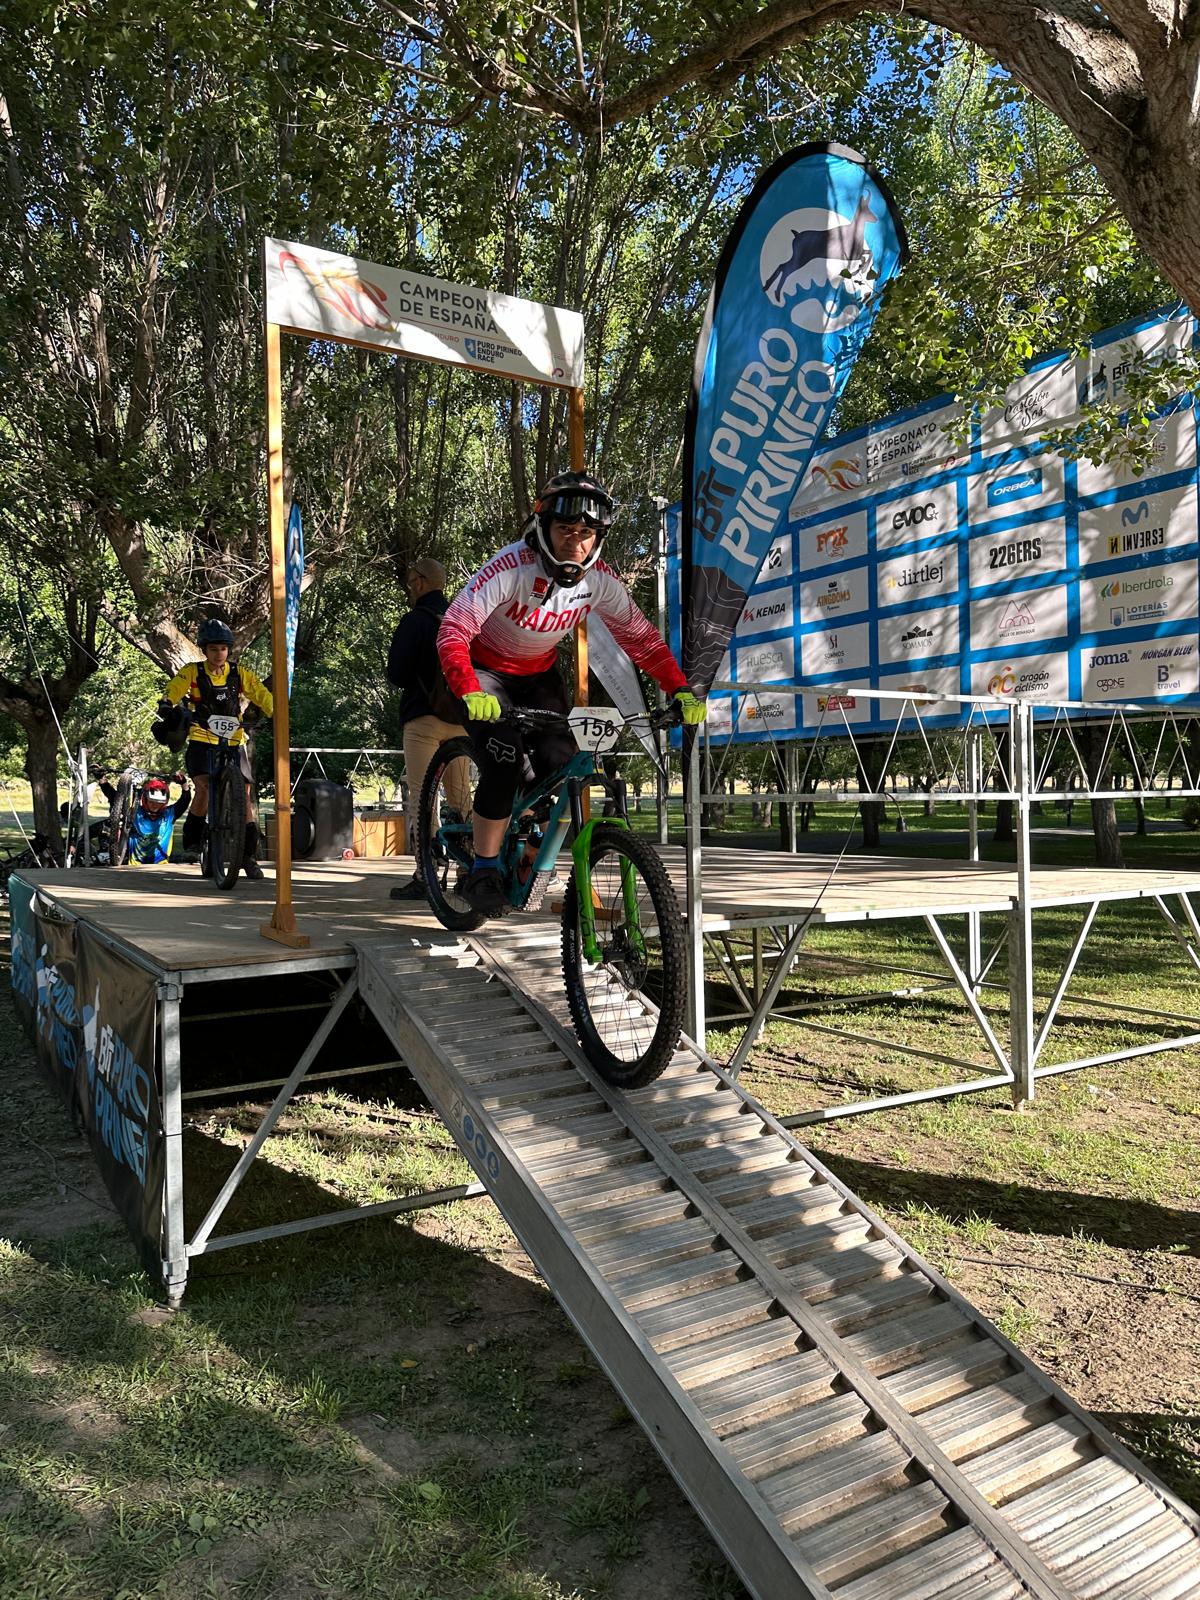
x=570, y=780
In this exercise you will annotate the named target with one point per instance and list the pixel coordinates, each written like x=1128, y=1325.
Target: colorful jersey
x=188, y=684
x=150, y=837
x=510, y=618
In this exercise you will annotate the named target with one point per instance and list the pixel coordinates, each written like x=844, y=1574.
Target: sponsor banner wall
x=916, y=556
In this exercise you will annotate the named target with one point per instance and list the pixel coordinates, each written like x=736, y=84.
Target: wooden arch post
x=315, y=294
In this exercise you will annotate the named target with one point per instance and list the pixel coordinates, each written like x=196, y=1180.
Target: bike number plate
x=223, y=727
x=596, y=728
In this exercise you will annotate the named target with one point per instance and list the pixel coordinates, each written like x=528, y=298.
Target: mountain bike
x=121, y=814
x=225, y=844
x=624, y=952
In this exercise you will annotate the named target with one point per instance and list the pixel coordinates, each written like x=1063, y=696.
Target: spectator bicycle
x=624, y=951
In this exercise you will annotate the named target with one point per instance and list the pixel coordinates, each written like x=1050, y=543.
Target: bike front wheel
x=227, y=828
x=120, y=822
x=443, y=846
x=628, y=1007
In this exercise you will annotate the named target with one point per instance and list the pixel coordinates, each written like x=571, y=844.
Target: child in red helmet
x=154, y=819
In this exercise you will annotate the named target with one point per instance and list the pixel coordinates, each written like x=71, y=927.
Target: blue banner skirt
x=797, y=288
x=293, y=578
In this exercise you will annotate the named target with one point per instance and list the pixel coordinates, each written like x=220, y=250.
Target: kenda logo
x=759, y=613
x=1018, y=487
x=1111, y=658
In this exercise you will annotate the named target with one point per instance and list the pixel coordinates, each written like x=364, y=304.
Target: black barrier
x=117, y=1088
x=56, y=1024
x=92, y=1018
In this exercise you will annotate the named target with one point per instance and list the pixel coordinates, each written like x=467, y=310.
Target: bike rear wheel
x=628, y=1008
x=443, y=849
x=120, y=822
x=227, y=828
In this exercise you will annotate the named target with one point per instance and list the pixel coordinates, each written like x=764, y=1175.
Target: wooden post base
x=282, y=928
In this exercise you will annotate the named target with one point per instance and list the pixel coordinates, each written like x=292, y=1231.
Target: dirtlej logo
x=819, y=261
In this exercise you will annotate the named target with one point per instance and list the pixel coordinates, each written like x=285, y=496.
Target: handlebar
x=534, y=717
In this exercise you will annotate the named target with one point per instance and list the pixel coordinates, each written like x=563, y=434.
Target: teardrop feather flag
x=797, y=288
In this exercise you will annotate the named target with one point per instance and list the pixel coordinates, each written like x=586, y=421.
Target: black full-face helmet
x=569, y=497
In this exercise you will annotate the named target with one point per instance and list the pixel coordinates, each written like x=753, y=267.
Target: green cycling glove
x=482, y=707
x=694, y=710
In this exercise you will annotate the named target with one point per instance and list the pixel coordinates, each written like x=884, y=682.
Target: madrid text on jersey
x=785, y=407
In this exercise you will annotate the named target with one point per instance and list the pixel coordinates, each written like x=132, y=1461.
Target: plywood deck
x=174, y=919
x=748, y=887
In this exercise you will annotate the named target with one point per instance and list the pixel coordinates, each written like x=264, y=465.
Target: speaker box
x=322, y=820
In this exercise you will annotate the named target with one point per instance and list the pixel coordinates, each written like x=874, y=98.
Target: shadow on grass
x=1127, y=1224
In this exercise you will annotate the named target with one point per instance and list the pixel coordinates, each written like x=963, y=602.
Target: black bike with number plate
x=623, y=948
x=225, y=845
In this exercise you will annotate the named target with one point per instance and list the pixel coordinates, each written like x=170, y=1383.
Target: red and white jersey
x=510, y=618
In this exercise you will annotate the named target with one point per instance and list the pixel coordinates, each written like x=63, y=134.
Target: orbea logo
x=820, y=263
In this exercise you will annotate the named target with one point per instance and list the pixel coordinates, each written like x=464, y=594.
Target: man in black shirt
x=413, y=667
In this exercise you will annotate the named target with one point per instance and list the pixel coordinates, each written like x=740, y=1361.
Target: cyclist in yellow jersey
x=214, y=685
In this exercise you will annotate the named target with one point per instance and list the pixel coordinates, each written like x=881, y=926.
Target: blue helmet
x=214, y=631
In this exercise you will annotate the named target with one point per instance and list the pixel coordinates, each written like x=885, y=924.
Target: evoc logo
x=914, y=516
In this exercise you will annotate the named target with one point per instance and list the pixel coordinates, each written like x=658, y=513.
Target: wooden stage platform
x=178, y=923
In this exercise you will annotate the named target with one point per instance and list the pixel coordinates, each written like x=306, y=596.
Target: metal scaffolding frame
x=1035, y=740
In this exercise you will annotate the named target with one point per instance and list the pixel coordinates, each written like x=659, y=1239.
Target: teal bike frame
x=570, y=780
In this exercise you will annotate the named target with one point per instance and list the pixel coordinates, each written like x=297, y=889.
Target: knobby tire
x=438, y=869
x=628, y=1013
x=227, y=831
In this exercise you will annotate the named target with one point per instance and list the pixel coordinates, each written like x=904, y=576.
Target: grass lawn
x=399, y=1409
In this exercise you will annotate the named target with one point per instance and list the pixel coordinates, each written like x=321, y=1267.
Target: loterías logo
x=820, y=262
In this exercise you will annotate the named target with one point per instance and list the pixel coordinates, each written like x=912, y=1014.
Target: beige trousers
x=422, y=736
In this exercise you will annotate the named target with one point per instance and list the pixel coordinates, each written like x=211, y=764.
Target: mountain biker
x=498, y=643
x=154, y=819
x=214, y=686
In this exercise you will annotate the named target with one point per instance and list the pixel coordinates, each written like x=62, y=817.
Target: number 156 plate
x=595, y=727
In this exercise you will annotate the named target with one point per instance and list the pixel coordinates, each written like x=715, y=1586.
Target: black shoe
x=483, y=890
x=414, y=889
x=252, y=870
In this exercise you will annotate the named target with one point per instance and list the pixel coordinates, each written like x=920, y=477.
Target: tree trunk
x=1093, y=747
x=41, y=768
x=870, y=771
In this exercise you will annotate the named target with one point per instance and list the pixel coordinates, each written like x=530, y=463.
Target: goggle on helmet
x=570, y=497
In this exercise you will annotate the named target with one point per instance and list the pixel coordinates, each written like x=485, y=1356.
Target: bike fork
x=581, y=855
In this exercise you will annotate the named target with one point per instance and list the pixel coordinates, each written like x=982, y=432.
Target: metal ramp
x=842, y=1420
